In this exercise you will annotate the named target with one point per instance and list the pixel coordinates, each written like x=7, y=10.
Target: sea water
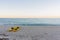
x=30, y=21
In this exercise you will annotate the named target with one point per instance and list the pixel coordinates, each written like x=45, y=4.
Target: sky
x=29, y=8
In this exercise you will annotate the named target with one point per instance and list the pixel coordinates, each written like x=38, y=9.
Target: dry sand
x=34, y=33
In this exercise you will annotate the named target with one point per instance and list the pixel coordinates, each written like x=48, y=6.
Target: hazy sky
x=29, y=8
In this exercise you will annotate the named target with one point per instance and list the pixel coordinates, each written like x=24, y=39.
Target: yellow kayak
x=14, y=29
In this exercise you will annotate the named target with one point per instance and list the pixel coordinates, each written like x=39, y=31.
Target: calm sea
x=30, y=21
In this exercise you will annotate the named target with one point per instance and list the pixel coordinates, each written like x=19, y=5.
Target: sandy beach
x=34, y=33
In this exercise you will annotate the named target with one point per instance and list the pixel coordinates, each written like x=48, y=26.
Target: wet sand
x=34, y=33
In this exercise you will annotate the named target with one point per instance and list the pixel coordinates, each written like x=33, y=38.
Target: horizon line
x=29, y=16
